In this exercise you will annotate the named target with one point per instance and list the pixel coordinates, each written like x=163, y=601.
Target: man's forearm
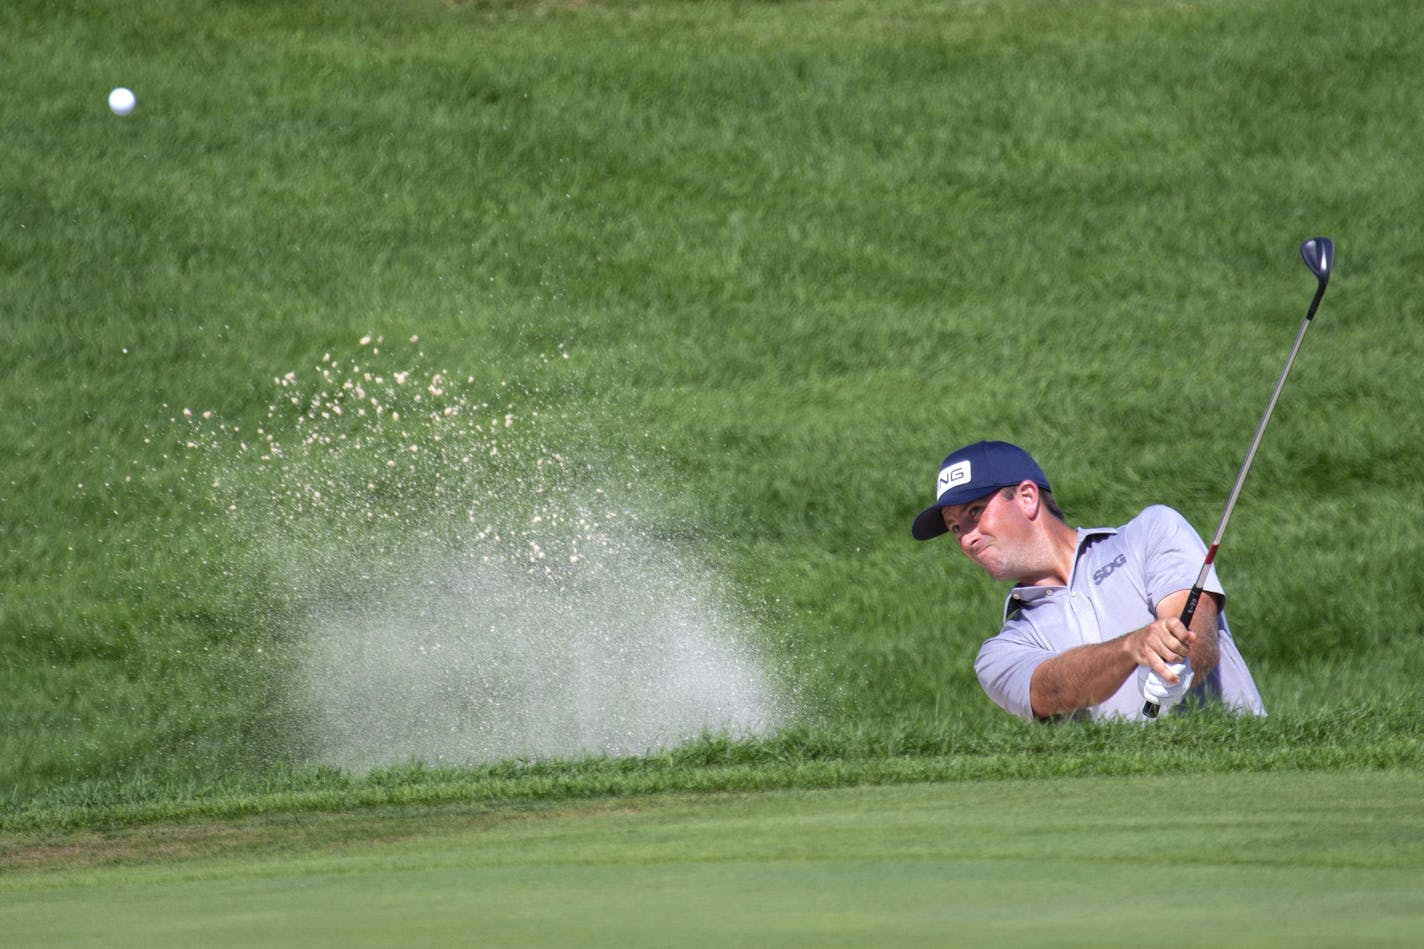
x=1080, y=677
x=1088, y=675
x=1204, y=652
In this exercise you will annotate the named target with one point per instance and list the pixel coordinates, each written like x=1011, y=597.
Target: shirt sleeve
x=1174, y=554
x=1006, y=663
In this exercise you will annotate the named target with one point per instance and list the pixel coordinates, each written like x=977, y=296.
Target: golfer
x=1092, y=610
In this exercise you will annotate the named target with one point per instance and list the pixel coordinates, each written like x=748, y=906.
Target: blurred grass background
x=794, y=253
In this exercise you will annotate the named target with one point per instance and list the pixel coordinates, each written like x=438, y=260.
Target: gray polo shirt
x=1119, y=576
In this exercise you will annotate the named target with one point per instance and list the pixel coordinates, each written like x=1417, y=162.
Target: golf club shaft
x=1150, y=709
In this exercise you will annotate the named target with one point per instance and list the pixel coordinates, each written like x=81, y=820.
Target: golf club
x=1319, y=256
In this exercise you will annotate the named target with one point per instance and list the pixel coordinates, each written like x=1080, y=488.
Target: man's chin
x=997, y=571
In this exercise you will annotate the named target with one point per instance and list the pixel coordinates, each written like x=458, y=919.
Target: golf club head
x=1319, y=256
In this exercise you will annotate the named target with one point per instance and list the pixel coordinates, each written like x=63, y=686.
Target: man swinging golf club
x=1093, y=610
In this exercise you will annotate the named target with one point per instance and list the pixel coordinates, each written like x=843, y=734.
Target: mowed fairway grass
x=1286, y=859
x=733, y=277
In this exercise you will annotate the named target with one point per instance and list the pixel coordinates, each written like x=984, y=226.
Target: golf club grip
x=1150, y=709
x=1190, y=609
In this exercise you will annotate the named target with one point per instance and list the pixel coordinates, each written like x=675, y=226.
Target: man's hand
x=1164, y=671
x=1161, y=693
x=1160, y=645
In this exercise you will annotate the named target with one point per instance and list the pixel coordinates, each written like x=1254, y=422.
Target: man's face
x=994, y=532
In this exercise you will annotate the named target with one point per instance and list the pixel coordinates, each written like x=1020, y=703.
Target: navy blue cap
x=971, y=473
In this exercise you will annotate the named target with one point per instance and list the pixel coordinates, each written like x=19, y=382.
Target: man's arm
x=1087, y=675
x=1204, y=652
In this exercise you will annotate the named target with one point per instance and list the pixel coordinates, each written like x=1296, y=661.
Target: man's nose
x=967, y=536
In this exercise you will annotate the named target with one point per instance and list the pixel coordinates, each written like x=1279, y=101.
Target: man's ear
x=1028, y=499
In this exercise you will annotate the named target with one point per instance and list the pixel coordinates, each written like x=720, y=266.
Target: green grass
x=1249, y=859
x=750, y=270
x=1360, y=737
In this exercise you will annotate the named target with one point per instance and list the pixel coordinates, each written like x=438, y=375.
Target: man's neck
x=1060, y=550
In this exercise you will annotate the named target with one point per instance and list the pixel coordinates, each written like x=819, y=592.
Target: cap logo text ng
x=951, y=475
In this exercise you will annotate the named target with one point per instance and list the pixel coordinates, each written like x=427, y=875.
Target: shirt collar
x=1027, y=596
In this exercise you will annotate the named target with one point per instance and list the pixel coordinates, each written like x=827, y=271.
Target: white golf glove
x=1164, y=695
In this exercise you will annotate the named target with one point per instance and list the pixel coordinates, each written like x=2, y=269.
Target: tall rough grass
x=764, y=264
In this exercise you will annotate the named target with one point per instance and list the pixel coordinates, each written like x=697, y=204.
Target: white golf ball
x=121, y=101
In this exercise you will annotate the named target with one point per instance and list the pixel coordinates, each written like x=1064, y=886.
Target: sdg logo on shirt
x=1106, y=570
